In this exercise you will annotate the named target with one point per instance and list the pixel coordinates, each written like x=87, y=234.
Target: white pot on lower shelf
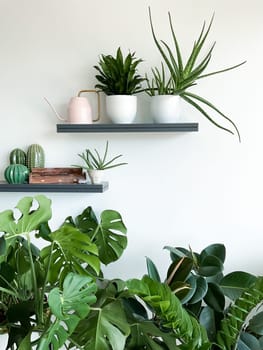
x=165, y=108
x=121, y=108
x=96, y=176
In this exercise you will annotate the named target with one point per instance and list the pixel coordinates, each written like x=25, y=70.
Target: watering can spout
x=54, y=110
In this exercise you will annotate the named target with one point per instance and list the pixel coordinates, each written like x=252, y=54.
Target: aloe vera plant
x=93, y=160
x=185, y=75
x=118, y=75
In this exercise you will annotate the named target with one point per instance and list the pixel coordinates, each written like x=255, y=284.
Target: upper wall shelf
x=140, y=127
x=77, y=188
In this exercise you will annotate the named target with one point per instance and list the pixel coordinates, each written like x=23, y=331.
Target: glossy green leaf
x=256, y=324
x=168, y=309
x=179, y=270
x=249, y=341
x=110, y=237
x=191, y=281
x=71, y=249
x=69, y=306
x=200, y=290
x=210, y=265
x=146, y=334
x=218, y=250
x=106, y=328
x=234, y=284
x=207, y=319
x=215, y=297
x=152, y=270
x=29, y=217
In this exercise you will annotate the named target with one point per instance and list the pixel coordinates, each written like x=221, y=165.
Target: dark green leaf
x=210, y=265
x=256, y=324
x=152, y=270
x=215, y=297
x=234, y=284
x=218, y=250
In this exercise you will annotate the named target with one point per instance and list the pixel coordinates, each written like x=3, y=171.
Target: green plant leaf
x=233, y=323
x=110, y=236
x=69, y=306
x=179, y=270
x=152, y=270
x=106, y=328
x=216, y=249
x=200, y=290
x=168, y=310
x=146, y=334
x=29, y=218
x=215, y=297
x=207, y=319
x=235, y=283
x=70, y=249
x=210, y=265
x=248, y=341
x=256, y=324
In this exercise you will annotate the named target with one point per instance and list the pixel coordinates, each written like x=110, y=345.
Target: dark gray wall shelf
x=140, y=127
x=77, y=188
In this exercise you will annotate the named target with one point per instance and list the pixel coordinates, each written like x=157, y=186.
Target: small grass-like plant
x=159, y=85
x=93, y=160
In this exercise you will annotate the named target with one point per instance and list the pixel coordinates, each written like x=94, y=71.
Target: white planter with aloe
x=95, y=164
x=184, y=75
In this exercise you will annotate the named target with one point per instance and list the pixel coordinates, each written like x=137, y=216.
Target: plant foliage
x=93, y=160
x=118, y=75
x=184, y=75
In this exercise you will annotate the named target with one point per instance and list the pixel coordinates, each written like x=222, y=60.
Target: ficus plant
x=223, y=304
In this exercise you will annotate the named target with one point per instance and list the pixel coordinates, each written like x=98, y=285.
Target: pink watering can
x=79, y=109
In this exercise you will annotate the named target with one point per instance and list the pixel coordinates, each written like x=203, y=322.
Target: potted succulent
x=95, y=164
x=184, y=75
x=119, y=80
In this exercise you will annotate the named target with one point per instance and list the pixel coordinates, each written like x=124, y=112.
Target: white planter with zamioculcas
x=165, y=108
x=121, y=108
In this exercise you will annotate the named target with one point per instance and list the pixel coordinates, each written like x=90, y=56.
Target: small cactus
x=17, y=156
x=35, y=157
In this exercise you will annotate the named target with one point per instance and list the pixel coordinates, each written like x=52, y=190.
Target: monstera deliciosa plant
x=56, y=297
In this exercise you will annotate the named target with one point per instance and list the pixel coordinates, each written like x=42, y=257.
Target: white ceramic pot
x=165, y=108
x=96, y=176
x=121, y=108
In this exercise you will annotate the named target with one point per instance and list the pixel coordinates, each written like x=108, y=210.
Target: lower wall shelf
x=77, y=188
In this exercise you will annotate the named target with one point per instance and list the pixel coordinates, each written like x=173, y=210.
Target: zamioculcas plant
x=185, y=75
x=229, y=307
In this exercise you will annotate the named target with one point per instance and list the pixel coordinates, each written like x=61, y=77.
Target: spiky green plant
x=96, y=161
x=159, y=85
x=118, y=75
x=186, y=75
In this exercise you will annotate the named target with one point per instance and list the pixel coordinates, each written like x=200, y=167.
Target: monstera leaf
x=29, y=219
x=109, y=234
x=105, y=328
x=68, y=306
x=69, y=249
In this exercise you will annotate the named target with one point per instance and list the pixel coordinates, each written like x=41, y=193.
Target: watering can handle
x=98, y=99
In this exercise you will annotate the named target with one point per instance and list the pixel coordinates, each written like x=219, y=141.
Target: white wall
x=178, y=189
